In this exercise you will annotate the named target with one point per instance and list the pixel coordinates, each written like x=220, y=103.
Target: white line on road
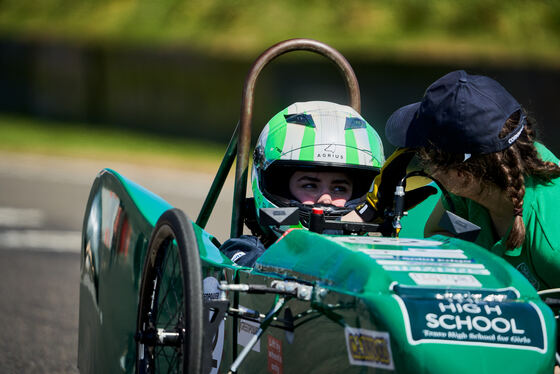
x=17, y=217
x=188, y=184
x=46, y=240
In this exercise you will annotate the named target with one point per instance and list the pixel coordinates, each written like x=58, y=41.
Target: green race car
x=158, y=296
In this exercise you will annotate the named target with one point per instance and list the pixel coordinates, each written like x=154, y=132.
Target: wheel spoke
x=168, y=312
x=171, y=287
x=161, y=355
x=163, y=302
x=167, y=356
x=170, y=280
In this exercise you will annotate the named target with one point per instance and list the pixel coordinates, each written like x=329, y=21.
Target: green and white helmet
x=320, y=135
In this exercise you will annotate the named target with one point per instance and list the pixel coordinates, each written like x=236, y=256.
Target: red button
x=317, y=211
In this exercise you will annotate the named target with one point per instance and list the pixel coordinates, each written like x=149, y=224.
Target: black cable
x=422, y=173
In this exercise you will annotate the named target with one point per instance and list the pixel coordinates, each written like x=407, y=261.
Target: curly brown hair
x=506, y=169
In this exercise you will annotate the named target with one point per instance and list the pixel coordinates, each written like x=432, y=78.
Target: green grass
x=24, y=135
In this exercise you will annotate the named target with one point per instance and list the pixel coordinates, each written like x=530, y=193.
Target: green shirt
x=539, y=256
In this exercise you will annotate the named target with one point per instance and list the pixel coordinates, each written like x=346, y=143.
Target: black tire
x=170, y=300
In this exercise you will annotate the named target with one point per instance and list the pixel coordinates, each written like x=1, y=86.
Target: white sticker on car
x=426, y=254
x=212, y=292
x=430, y=279
x=451, y=261
x=248, y=329
x=379, y=240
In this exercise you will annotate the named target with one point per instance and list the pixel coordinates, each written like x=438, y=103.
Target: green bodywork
x=404, y=305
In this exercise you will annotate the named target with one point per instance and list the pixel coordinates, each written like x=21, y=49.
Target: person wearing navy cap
x=472, y=136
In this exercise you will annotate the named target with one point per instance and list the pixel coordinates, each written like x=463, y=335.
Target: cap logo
x=516, y=135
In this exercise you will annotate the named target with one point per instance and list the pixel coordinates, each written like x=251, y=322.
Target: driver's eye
x=340, y=189
x=309, y=186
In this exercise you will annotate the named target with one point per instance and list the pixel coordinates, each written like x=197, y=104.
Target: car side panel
x=118, y=221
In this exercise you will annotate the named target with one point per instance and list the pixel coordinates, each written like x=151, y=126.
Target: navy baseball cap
x=459, y=113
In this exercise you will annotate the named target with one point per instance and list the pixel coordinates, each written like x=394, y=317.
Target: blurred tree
x=518, y=31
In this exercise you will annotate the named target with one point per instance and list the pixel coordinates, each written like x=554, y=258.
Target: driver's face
x=323, y=187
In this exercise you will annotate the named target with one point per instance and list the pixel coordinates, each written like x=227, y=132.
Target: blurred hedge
x=513, y=31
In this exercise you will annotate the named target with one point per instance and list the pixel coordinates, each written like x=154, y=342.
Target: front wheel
x=170, y=311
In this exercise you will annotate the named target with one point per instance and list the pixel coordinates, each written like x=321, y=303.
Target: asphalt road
x=42, y=201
